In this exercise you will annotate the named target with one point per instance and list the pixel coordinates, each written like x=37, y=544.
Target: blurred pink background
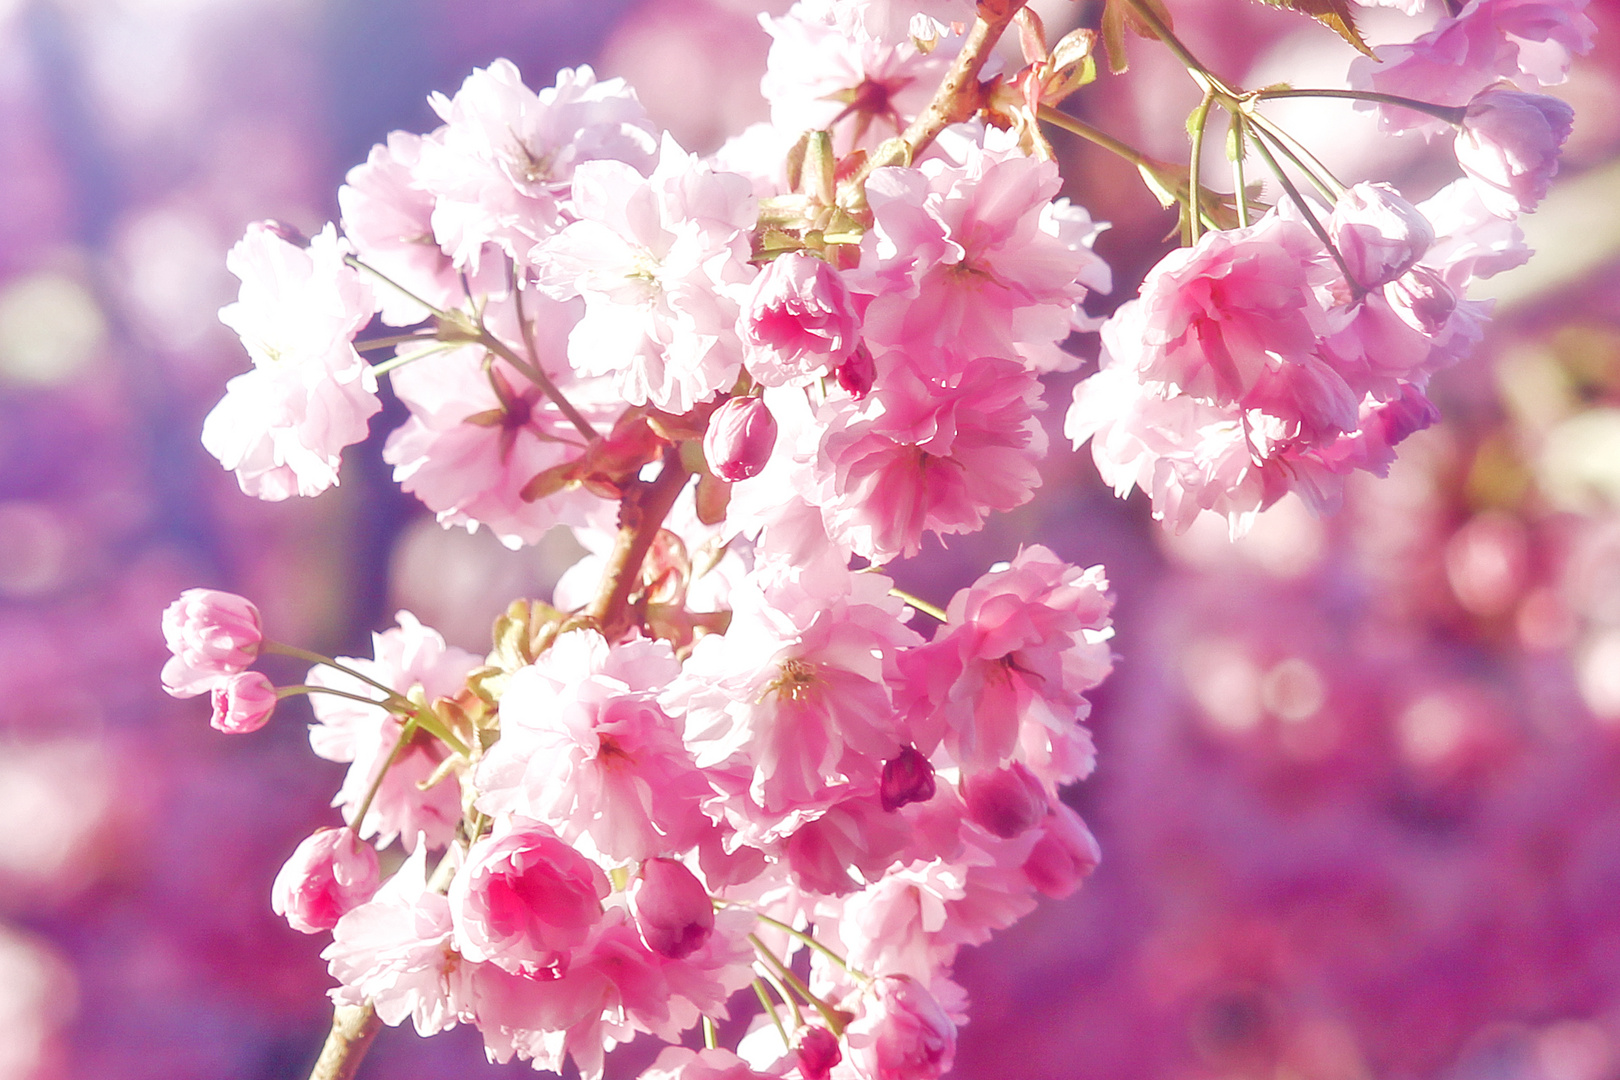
x=1359, y=794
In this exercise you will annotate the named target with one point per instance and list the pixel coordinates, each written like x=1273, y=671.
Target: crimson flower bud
x=740, y=437
x=1007, y=801
x=817, y=1052
x=243, y=703
x=212, y=634
x=907, y=778
x=672, y=908
x=329, y=875
x=858, y=374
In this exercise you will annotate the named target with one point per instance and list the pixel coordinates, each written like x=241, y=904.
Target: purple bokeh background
x=1358, y=791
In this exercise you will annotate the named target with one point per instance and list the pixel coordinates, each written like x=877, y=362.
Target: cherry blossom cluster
x=1285, y=354
x=728, y=754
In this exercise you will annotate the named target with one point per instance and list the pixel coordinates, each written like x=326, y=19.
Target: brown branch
x=353, y=1028
x=641, y=515
x=959, y=96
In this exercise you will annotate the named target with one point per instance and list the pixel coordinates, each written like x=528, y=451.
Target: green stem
x=296, y=653
x=813, y=943
x=533, y=373
x=400, y=361
x=385, y=279
x=1310, y=216
x=1200, y=73
x=307, y=688
x=785, y=973
x=1200, y=118
x=770, y=1010
x=405, y=732
x=1320, y=176
x=787, y=997
x=372, y=344
x=1452, y=114
x=711, y=1035
x=1079, y=127
x=921, y=605
x=1239, y=138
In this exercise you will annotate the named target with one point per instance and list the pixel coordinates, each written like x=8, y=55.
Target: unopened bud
x=672, y=908
x=817, y=1052
x=329, y=875
x=1379, y=233
x=907, y=778
x=1063, y=856
x=243, y=703
x=857, y=374
x=741, y=434
x=212, y=634
x=1007, y=802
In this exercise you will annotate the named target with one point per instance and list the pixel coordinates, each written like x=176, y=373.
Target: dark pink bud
x=330, y=874
x=673, y=910
x=1008, y=801
x=243, y=703
x=212, y=634
x=857, y=374
x=907, y=778
x=740, y=437
x=817, y=1052
x=1063, y=856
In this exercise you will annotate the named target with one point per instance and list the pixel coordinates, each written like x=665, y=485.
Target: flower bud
x=330, y=874
x=902, y=1033
x=858, y=374
x=1509, y=147
x=672, y=908
x=741, y=434
x=211, y=634
x=799, y=322
x=816, y=1051
x=1063, y=856
x=1007, y=802
x=1379, y=233
x=907, y=778
x=243, y=703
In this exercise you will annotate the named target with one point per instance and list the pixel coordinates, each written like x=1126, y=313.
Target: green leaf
x=1334, y=14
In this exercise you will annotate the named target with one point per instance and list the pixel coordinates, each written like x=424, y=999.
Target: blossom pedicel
x=731, y=753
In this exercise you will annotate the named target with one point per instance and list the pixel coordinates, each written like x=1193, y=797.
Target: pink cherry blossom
x=410, y=658
x=480, y=431
x=329, y=874
x=524, y=900
x=828, y=68
x=586, y=748
x=739, y=439
x=901, y=1032
x=795, y=691
x=798, y=323
x=282, y=426
x=212, y=635
x=500, y=166
x=1019, y=649
x=916, y=456
x=1509, y=147
x=662, y=262
x=1527, y=42
x=242, y=703
x=1006, y=802
x=388, y=219
x=395, y=952
x=969, y=261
